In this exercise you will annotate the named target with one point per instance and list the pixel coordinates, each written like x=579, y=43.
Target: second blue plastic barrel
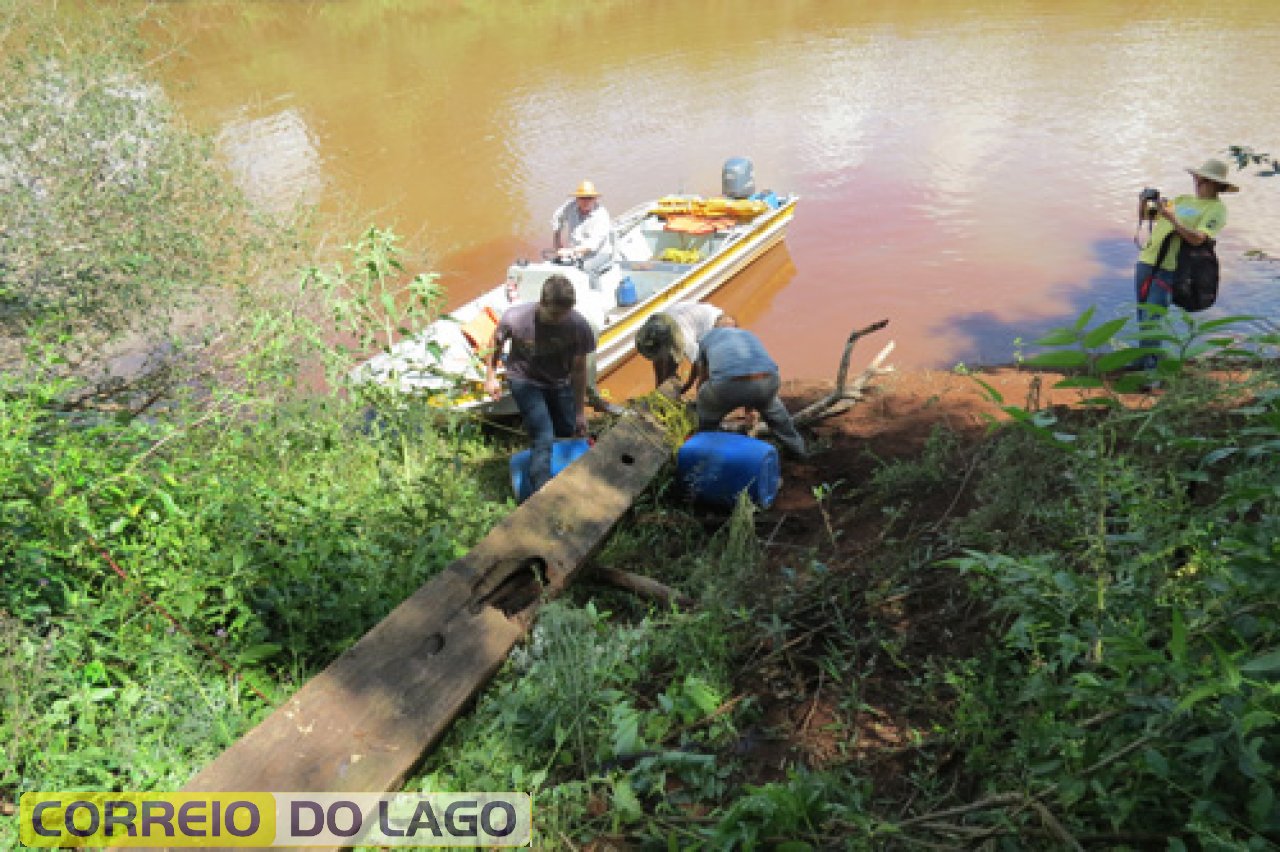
x=563, y=453
x=715, y=467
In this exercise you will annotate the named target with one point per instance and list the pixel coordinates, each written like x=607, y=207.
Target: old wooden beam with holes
x=363, y=723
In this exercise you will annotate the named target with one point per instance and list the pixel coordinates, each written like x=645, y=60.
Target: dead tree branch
x=643, y=586
x=846, y=393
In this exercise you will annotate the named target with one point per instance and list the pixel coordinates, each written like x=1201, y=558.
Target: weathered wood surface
x=363, y=723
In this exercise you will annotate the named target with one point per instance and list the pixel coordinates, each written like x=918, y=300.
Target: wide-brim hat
x=659, y=337
x=1216, y=171
x=586, y=189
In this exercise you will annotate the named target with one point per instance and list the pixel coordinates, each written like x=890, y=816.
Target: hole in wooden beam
x=433, y=644
x=517, y=591
x=627, y=458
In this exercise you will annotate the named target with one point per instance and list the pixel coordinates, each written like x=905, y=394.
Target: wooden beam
x=366, y=721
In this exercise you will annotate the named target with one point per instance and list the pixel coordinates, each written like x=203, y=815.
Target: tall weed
x=127, y=254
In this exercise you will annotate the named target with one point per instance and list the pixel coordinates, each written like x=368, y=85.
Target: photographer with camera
x=1188, y=218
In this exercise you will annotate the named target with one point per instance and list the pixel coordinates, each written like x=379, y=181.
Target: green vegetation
x=1135, y=688
x=1245, y=156
x=1065, y=634
x=186, y=537
x=1087, y=655
x=107, y=254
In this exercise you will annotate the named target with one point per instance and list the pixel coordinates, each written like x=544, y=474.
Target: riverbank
x=978, y=601
x=930, y=608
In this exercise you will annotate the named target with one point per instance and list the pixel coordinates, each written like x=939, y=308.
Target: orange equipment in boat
x=712, y=208
x=480, y=328
x=692, y=224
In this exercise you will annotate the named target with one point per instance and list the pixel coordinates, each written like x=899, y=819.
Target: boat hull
x=444, y=365
x=616, y=343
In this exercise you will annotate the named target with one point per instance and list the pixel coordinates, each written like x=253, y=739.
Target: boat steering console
x=555, y=257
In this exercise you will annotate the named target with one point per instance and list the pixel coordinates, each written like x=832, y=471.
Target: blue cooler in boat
x=627, y=295
x=715, y=467
x=769, y=197
x=563, y=453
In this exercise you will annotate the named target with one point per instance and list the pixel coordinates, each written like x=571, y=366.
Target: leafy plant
x=1092, y=354
x=375, y=305
x=822, y=494
x=795, y=814
x=1135, y=674
x=1246, y=156
x=180, y=554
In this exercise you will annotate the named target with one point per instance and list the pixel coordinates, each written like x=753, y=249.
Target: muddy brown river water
x=968, y=170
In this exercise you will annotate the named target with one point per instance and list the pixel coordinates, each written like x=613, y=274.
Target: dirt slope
x=894, y=422
x=901, y=411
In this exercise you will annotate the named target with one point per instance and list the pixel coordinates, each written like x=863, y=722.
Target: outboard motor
x=738, y=179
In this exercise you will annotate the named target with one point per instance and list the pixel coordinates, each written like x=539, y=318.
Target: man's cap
x=660, y=336
x=586, y=189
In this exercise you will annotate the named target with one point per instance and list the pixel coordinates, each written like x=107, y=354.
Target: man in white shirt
x=580, y=232
x=671, y=336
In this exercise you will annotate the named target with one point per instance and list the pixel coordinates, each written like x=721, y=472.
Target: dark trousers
x=548, y=413
x=1158, y=292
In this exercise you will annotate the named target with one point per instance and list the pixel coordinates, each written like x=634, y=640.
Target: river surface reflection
x=968, y=170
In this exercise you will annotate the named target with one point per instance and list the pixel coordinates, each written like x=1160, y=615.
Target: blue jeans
x=718, y=398
x=595, y=265
x=548, y=413
x=1159, y=293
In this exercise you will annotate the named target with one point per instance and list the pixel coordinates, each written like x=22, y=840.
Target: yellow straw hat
x=1216, y=171
x=586, y=189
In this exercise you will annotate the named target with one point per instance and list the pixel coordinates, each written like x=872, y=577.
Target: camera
x=1151, y=201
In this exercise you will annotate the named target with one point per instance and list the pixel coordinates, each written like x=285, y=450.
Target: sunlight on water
x=968, y=171
x=275, y=159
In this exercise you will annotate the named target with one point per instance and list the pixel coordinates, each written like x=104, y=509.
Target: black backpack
x=1195, y=279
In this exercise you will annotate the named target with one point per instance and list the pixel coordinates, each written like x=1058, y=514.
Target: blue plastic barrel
x=627, y=295
x=715, y=467
x=563, y=453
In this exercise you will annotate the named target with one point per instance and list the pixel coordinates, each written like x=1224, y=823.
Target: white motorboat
x=680, y=248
